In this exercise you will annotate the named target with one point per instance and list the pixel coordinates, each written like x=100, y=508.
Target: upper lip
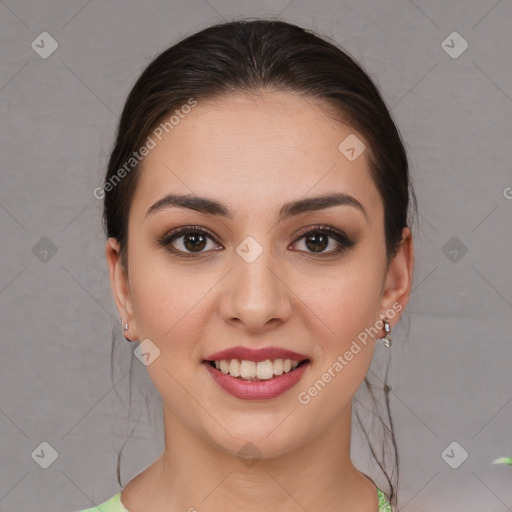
x=256, y=354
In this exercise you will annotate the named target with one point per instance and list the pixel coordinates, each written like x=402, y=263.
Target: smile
x=255, y=370
x=251, y=380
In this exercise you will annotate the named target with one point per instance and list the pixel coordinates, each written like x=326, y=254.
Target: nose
x=257, y=296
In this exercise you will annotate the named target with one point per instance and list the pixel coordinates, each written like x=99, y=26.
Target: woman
x=256, y=206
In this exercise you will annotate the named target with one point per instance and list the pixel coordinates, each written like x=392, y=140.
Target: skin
x=255, y=153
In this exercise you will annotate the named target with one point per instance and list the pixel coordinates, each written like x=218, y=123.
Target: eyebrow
x=214, y=207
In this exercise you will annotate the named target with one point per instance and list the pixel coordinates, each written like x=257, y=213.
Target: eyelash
x=340, y=237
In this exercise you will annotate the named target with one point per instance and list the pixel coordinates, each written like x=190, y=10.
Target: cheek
x=167, y=301
x=343, y=303
x=169, y=307
x=340, y=314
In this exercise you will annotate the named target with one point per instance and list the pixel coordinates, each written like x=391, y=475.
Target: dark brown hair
x=248, y=56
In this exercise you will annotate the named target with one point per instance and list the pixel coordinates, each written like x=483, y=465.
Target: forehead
x=255, y=152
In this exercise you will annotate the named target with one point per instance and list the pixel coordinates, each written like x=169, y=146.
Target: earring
x=387, y=340
x=125, y=328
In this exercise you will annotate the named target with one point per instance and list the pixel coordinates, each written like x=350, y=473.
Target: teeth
x=224, y=366
x=263, y=370
x=278, y=367
x=248, y=369
x=234, y=367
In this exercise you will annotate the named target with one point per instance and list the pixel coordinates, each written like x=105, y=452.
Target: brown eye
x=317, y=240
x=187, y=241
x=194, y=242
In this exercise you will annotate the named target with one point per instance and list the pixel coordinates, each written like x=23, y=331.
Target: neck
x=193, y=473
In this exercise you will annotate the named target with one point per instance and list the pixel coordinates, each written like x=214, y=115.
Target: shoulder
x=112, y=505
x=384, y=505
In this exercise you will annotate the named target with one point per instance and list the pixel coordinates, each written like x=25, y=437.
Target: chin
x=257, y=443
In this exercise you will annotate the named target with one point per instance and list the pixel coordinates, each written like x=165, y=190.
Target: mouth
x=256, y=371
x=251, y=373
x=256, y=380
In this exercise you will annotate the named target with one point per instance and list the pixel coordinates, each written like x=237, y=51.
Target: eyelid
x=322, y=228
x=186, y=229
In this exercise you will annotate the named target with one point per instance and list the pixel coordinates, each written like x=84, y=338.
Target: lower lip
x=262, y=390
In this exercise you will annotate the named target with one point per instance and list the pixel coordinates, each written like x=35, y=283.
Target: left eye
x=318, y=240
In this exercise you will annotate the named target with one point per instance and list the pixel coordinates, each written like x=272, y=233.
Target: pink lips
x=256, y=354
x=257, y=390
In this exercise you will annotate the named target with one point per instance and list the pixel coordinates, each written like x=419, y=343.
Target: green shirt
x=114, y=504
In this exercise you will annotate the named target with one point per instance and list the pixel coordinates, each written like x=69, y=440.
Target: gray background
x=451, y=361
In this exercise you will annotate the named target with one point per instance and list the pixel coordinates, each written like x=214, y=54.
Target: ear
x=120, y=287
x=398, y=282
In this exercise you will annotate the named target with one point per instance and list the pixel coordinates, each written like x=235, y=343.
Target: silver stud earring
x=125, y=328
x=387, y=340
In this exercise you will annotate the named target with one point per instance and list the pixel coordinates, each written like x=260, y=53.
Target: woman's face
x=253, y=279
